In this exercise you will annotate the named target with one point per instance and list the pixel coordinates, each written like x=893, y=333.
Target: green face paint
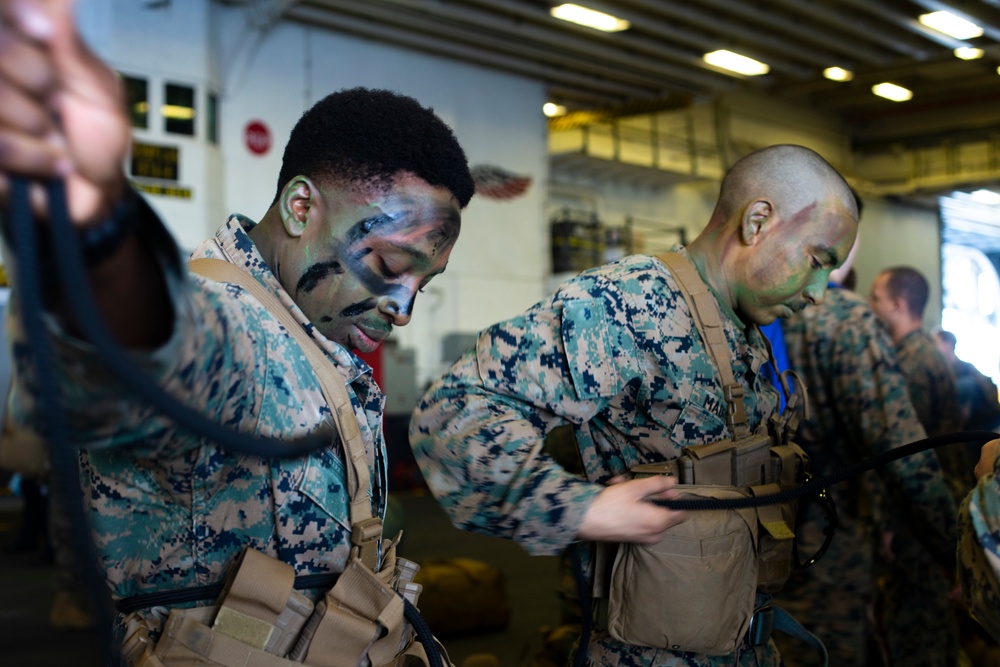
x=788, y=267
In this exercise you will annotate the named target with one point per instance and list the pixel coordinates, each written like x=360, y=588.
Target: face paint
x=788, y=268
x=357, y=272
x=316, y=273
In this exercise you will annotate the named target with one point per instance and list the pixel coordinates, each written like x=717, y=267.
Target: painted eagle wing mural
x=498, y=183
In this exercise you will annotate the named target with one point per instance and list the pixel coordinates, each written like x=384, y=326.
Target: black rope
x=814, y=486
x=423, y=632
x=75, y=282
x=132, y=603
x=65, y=468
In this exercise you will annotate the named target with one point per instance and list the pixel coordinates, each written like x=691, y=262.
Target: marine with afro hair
x=367, y=211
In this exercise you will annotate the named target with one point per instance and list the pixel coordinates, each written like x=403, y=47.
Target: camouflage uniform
x=860, y=407
x=170, y=509
x=931, y=382
x=915, y=590
x=979, y=551
x=613, y=353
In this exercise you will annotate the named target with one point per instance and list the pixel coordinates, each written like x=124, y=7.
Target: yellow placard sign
x=152, y=161
x=163, y=190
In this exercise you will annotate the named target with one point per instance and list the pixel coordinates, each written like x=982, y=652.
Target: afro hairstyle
x=363, y=134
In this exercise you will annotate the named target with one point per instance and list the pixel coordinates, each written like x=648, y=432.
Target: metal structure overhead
x=658, y=61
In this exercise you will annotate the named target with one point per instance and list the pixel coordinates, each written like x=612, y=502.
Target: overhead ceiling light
x=952, y=25
x=590, y=18
x=838, y=74
x=968, y=52
x=891, y=91
x=551, y=109
x=987, y=197
x=734, y=62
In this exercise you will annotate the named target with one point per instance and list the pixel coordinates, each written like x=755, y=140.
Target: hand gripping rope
x=22, y=234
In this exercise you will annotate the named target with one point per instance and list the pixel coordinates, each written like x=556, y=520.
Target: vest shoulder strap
x=708, y=321
x=366, y=530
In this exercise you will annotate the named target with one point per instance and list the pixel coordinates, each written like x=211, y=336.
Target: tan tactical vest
x=260, y=620
x=695, y=590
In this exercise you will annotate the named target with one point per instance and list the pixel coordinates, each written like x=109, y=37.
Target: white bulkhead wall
x=272, y=72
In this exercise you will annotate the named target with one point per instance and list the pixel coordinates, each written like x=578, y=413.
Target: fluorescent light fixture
x=590, y=18
x=988, y=197
x=891, y=91
x=734, y=62
x=968, y=53
x=838, y=74
x=952, y=25
x=551, y=109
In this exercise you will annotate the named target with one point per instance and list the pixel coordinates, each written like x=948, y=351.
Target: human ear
x=298, y=199
x=755, y=217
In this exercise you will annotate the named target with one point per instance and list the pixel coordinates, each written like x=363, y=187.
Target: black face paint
x=358, y=308
x=363, y=228
x=317, y=272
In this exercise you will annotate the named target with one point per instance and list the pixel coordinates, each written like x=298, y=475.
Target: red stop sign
x=257, y=137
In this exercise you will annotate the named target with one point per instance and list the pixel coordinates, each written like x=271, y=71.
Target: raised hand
x=62, y=113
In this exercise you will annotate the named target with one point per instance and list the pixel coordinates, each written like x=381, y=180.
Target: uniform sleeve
x=208, y=363
x=479, y=430
x=979, y=551
x=872, y=393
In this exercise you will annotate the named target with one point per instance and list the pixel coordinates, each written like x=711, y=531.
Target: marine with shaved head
x=614, y=354
x=366, y=212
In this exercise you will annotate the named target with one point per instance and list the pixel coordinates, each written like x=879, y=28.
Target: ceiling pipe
x=851, y=25
x=847, y=51
x=529, y=34
x=909, y=23
x=707, y=79
x=722, y=32
x=379, y=31
x=989, y=29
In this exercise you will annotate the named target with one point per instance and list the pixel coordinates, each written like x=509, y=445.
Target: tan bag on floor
x=23, y=452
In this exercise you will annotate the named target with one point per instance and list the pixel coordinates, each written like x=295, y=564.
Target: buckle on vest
x=365, y=535
x=761, y=626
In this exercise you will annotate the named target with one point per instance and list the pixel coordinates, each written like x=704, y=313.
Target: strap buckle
x=365, y=536
x=761, y=626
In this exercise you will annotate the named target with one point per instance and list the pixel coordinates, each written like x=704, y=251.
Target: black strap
x=815, y=486
x=209, y=592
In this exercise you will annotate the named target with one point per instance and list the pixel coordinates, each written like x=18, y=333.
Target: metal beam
x=848, y=52
x=724, y=33
x=373, y=27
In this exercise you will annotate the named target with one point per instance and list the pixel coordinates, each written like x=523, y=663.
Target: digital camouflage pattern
x=613, y=353
x=931, y=383
x=979, y=551
x=915, y=587
x=168, y=508
x=860, y=407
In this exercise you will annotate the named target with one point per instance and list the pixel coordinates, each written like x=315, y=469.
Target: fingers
x=27, y=81
x=622, y=512
x=62, y=112
x=987, y=458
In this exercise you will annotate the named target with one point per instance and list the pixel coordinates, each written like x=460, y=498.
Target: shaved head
x=792, y=177
x=784, y=219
